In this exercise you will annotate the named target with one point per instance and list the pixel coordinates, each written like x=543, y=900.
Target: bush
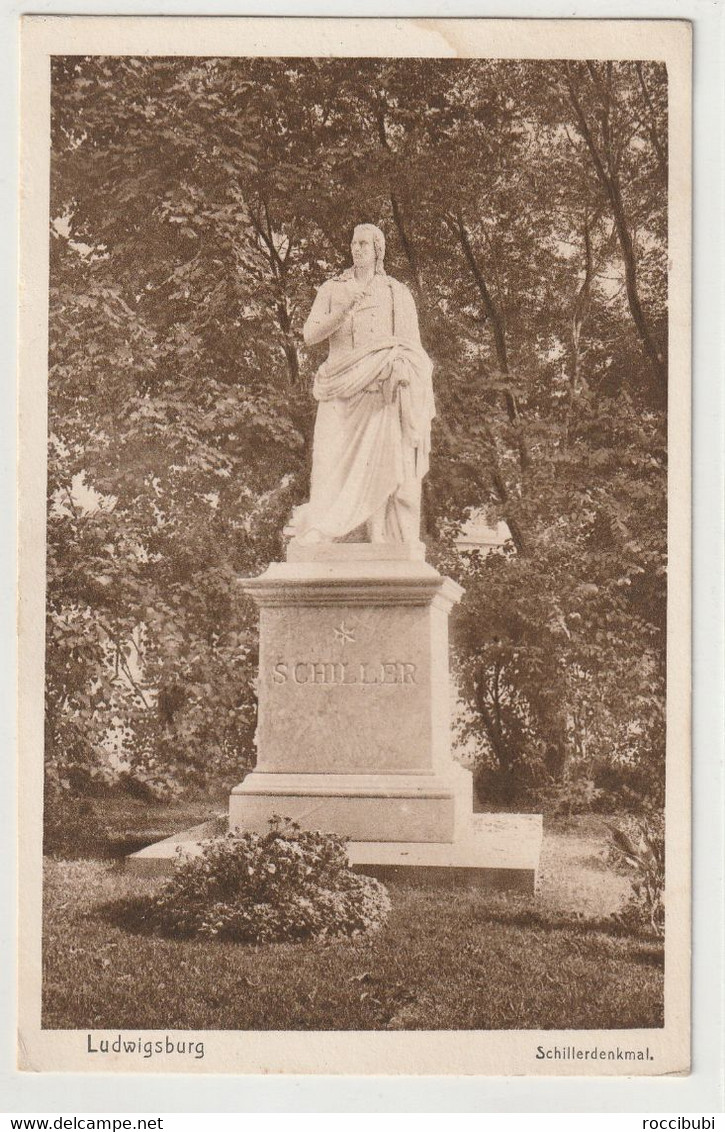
x=596, y=788
x=575, y=795
x=642, y=847
x=288, y=884
x=624, y=786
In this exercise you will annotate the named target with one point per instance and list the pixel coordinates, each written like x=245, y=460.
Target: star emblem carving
x=344, y=633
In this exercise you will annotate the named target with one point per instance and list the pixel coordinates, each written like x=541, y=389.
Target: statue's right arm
x=322, y=320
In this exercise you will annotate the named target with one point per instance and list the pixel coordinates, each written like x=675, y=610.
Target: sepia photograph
x=364, y=680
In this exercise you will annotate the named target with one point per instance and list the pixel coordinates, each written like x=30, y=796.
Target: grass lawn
x=463, y=960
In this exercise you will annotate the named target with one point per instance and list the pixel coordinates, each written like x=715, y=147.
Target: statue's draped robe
x=372, y=434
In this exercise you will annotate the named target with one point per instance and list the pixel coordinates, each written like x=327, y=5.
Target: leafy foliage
x=196, y=205
x=288, y=884
x=643, y=849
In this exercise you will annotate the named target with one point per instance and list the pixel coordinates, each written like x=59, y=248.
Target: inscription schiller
x=344, y=673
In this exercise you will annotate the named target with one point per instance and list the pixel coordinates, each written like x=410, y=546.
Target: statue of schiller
x=372, y=435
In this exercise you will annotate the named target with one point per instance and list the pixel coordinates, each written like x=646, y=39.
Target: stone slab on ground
x=158, y=859
x=498, y=851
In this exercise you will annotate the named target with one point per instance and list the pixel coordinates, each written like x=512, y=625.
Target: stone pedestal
x=354, y=729
x=354, y=694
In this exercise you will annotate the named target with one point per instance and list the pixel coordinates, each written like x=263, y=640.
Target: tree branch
x=651, y=123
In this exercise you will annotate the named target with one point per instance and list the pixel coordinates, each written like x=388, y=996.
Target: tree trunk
x=496, y=739
x=458, y=227
x=607, y=173
x=581, y=307
x=402, y=228
x=489, y=306
x=278, y=266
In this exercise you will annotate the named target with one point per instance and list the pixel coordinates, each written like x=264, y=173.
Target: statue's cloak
x=372, y=434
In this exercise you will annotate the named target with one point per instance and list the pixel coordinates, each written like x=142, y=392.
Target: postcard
x=354, y=546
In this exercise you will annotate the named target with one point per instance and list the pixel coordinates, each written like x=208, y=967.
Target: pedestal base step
x=361, y=807
x=498, y=851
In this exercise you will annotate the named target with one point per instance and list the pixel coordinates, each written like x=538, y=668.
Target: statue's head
x=378, y=243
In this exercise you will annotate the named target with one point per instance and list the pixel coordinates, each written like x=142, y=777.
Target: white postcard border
x=83, y=36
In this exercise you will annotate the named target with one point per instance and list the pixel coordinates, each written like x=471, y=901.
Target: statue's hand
x=396, y=379
x=356, y=292
x=399, y=375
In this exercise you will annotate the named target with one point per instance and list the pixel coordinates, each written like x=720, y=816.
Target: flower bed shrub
x=287, y=884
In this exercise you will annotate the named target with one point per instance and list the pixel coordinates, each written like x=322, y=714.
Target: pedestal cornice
x=352, y=583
